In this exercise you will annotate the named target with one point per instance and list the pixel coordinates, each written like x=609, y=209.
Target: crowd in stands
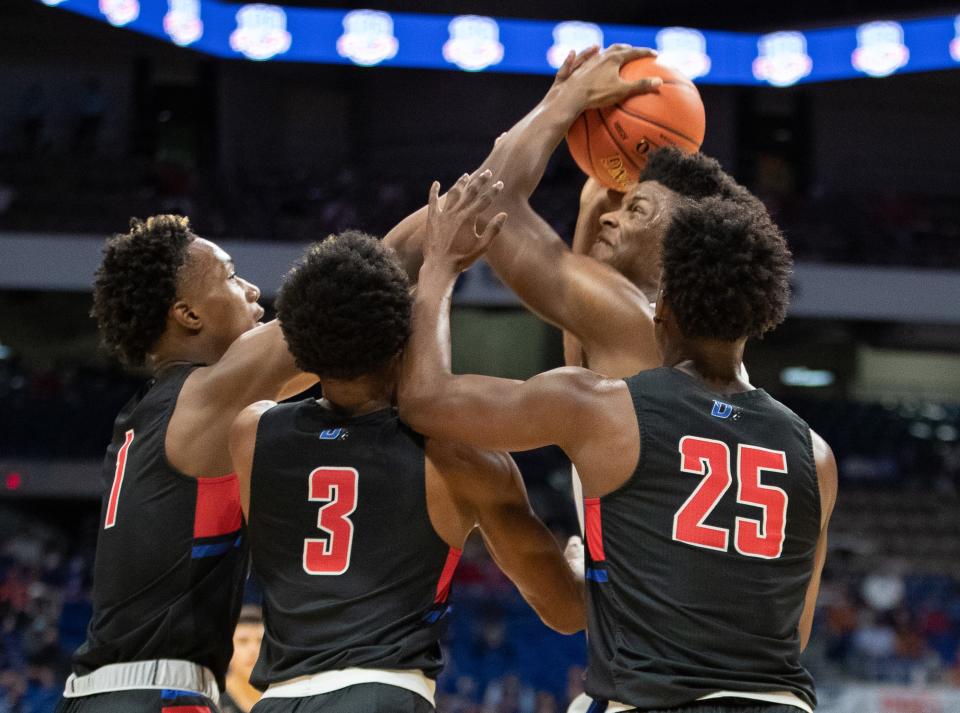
x=87, y=195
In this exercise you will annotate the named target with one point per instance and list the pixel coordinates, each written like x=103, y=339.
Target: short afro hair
x=136, y=284
x=695, y=176
x=345, y=307
x=726, y=270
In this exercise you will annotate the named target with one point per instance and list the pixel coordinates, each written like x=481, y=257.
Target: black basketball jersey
x=698, y=565
x=353, y=573
x=171, y=557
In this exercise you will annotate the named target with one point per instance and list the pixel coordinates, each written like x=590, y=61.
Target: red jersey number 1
x=111, y=518
x=761, y=538
x=337, y=487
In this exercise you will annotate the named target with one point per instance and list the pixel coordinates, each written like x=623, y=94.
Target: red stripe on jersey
x=218, y=506
x=591, y=514
x=446, y=576
x=185, y=709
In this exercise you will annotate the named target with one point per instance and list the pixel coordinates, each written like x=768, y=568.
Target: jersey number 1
x=111, y=518
x=337, y=487
x=755, y=538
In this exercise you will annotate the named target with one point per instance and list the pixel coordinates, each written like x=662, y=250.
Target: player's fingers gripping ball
x=612, y=143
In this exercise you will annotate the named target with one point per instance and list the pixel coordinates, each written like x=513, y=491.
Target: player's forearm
x=426, y=362
x=520, y=157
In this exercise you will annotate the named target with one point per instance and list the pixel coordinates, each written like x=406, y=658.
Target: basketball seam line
x=657, y=124
x=623, y=150
x=586, y=140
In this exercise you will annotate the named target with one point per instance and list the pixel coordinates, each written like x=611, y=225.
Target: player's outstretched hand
x=452, y=235
x=593, y=77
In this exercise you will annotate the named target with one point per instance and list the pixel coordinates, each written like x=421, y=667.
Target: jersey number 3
x=337, y=487
x=755, y=538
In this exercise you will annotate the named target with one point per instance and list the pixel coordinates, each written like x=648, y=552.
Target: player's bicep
x=499, y=414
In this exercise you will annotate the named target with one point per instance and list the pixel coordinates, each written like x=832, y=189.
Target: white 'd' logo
x=474, y=43
x=120, y=12
x=955, y=44
x=880, y=50
x=367, y=38
x=575, y=36
x=683, y=50
x=783, y=59
x=182, y=21
x=261, y=32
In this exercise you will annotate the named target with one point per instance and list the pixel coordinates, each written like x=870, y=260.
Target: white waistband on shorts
x=154, y=674
x=326, y=681
x=784, y=698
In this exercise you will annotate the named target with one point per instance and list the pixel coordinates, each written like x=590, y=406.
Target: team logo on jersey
x=723, y=410
x=333, y=434
x=782, y=59
x=367, y=38
x=955, y=43
x=120, y=12
x=474, y=43
x=261, y=32
x=880, y=50
x=575, y=36
x=683, y=50
x=182, y=21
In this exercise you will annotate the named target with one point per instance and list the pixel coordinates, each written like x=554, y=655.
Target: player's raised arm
x=489, y=490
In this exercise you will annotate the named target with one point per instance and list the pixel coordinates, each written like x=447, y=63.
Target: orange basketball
x=611, y=144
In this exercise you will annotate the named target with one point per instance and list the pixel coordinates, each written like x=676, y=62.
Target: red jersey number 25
x=337, y=488
x=761, y=538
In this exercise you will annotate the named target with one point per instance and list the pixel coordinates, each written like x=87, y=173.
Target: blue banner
x=473, y=43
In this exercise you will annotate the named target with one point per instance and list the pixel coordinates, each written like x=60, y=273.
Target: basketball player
x=356, y=522
x=171, y=553
x=700, y=594
x=600, y=293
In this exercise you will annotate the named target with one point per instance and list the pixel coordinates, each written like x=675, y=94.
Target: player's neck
x=356, y=397
x=193, y=350
x=718, y=364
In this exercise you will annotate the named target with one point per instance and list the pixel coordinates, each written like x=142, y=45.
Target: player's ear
x=184, y=315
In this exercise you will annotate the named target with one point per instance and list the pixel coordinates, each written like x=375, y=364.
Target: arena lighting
x=13, y=480
x=802, y=376
x=475, y=43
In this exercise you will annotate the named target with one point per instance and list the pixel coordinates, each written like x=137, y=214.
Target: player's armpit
x=489, y=486
x=242, y=441
x=827, y=479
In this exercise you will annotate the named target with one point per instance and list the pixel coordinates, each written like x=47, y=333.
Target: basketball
x=611, y=144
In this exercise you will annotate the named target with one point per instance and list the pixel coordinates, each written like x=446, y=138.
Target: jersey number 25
x=755, y=538
x=337, y=487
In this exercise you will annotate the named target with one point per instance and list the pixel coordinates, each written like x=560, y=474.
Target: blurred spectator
x=240, y=696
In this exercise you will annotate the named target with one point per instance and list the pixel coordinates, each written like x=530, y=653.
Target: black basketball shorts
x=361, y=698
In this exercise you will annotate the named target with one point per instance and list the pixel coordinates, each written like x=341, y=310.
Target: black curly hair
x=345, y=307
x=137, y=282
x=726, y=270
x=693, y=176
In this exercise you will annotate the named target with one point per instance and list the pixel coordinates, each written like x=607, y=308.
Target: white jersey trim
x=326, y=681
x=784, y=698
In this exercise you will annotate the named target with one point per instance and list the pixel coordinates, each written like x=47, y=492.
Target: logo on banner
x=880, y=50
x=261, y=32
x=574, y=36
x=683, y=50
x=955, y=44
x=120, y=12
x=367, y=38
x=182, y=21
x=783, y=59
x=474, y=43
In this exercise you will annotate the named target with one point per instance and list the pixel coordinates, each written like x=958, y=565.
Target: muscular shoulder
x=462, y=462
